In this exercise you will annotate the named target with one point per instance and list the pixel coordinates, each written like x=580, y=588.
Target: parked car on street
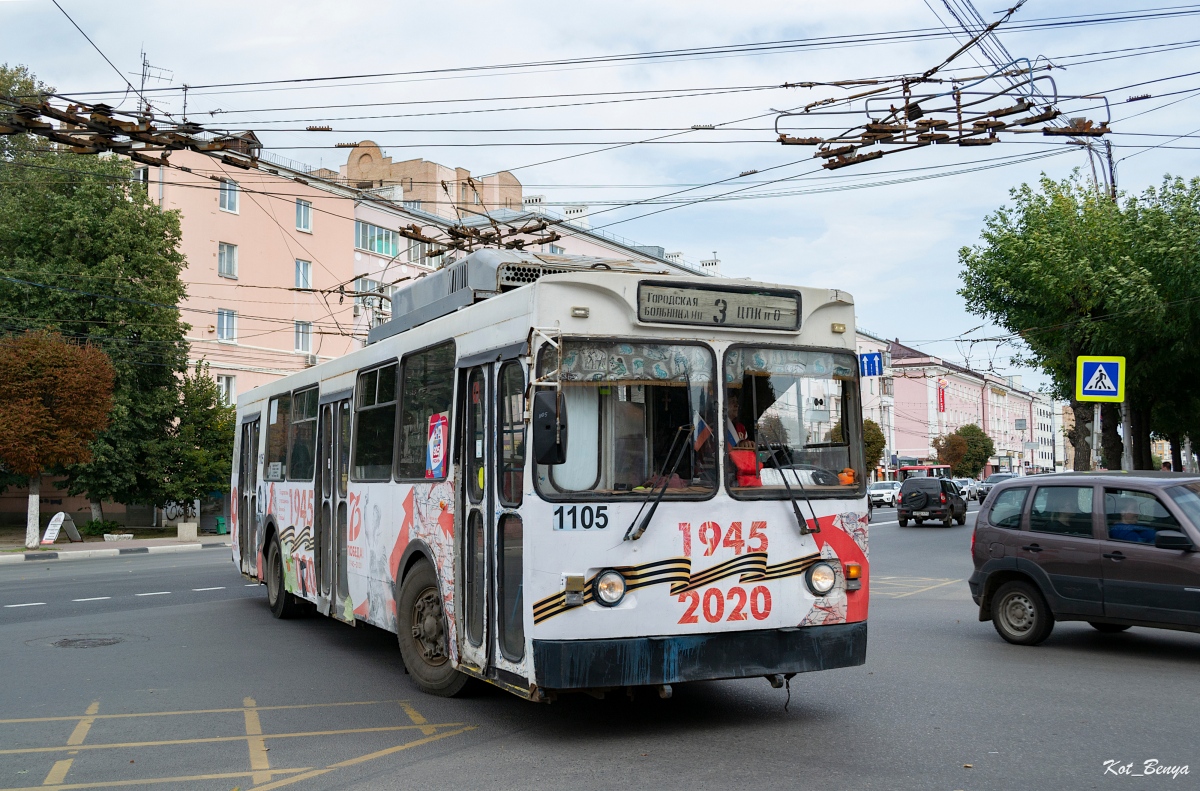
x=883, y=492
x=1113, y=550
x=935, y=499
x=968, y=487
x=986, y=485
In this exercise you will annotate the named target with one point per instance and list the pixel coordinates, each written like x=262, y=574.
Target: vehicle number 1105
x=580, y=517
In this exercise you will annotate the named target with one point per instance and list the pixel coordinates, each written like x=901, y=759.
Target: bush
x=98, y=527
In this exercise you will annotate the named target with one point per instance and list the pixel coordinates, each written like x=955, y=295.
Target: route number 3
x=714, y=604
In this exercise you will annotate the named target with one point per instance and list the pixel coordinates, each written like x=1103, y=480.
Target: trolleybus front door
x=333, y=467
x=475, y=537
x=247, y=503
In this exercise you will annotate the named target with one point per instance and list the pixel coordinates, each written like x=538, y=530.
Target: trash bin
x=221, y=530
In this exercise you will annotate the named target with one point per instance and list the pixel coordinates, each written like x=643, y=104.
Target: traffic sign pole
x=1102, y=379
x=1126, y=438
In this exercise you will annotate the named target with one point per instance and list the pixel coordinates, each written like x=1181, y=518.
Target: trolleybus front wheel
x=421, y=632
x=282, y=603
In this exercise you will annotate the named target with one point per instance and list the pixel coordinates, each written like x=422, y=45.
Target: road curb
x=89, y=554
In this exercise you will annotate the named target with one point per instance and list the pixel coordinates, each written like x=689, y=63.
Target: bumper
x=638, y=661
x=976, y=583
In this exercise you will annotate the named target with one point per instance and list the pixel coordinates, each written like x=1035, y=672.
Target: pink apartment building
x=934, y=397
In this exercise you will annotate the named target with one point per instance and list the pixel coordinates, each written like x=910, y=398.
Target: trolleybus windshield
x=791, y=412
x=635, y=409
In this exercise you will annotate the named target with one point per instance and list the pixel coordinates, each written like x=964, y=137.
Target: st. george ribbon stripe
x=751, y=567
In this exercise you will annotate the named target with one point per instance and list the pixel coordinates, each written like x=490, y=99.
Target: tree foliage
x=951, y=449
x=204, y=439
x=1071, y=272
x=979, y=449
x=873, y=443
x=17, y=81
x=56, y=397
x=86, y=253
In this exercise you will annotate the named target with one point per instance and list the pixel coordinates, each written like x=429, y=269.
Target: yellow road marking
x=922, y=590
x=152, y=780
x=417, y=719
x=360, y=759
x=58, y=772
x=213, y=739
x=81, y=730
x=238, y=709
x=258, y=746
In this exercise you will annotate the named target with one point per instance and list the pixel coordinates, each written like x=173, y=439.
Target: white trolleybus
x=555, y=473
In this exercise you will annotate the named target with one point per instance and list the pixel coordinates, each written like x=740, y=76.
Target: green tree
x=873, y=443
x=17, y=82
x=56, y=396
x=86, y=253
x=1055, y=269
x=979, y=449
x=951, y=449
x=203, y=439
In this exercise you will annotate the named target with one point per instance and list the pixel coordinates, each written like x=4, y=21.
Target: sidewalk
x=64, y=550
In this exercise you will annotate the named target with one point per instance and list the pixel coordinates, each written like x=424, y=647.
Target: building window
x=141, y=178
x=304, y=336
x=417, y=252
x=227, y=385
x=303, y=215
x=552, y=249
x=227, y=260
x=374, y=239
x=228, y=200
x=366, y=287
x=227, y=325
x=303, y=274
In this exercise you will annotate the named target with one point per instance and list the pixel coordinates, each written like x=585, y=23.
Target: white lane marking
x=94, y=598
x=254, y=584
x=218, y=588
x=27, y=604
x=156, y=593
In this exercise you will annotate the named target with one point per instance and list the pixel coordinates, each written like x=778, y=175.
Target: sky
x=894, y=246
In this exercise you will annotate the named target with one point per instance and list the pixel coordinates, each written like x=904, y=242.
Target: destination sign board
x=759, y=309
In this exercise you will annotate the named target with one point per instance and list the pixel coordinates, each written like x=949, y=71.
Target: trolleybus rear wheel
x=282, y=603
x=421, y=632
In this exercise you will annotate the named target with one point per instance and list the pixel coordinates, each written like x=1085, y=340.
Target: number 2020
x=714, y=602
x=580, y=517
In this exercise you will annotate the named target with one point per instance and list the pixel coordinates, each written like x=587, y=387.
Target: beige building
x=428, y=186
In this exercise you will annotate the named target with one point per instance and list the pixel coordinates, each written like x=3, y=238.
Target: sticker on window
x=275, y=469
x=435, y=453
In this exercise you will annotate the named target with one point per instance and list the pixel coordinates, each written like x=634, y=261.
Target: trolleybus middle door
x=475, y=504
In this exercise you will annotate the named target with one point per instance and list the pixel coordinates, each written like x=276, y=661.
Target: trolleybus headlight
x=821, y=578
x=609, y=588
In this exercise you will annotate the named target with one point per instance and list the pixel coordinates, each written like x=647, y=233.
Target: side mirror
x=1173, y=539
x=549, y=427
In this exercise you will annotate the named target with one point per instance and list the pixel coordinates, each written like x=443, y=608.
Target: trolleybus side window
x=476, y=441
x=375, y=430
x=642, y=414
x=512, y=433
x=279, y=420
x=302, y=440
x=512, y=623
x=425, y=414
x=791, y=420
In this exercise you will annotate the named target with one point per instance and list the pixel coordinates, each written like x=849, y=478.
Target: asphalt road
x=197, y=687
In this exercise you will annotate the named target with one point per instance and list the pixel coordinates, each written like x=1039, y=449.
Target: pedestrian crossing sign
x=1100, y=379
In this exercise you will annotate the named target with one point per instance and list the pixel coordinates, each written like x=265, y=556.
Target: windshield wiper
x=801, y=522
x=631, y=534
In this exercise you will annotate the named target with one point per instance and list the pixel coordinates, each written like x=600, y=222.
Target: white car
x=968, y=486
x=883, y=492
